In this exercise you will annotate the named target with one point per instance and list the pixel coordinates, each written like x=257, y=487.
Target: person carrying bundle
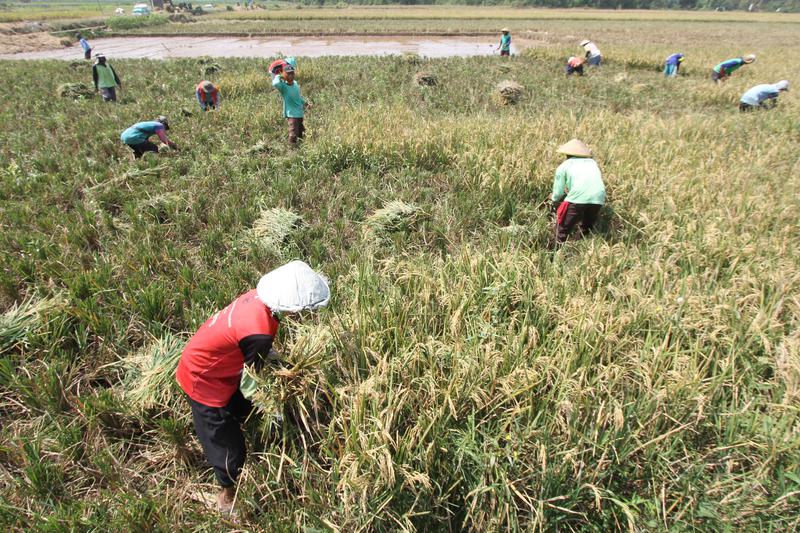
x=276, y=67
x=211, y=365
x=672, y=64
x=578, y=191
x=137, y=136
x=593, y=55
x=574, y=66
x=105, y=79
x=505, y=43
x=294, y=105
x=722, y=71
x=764, y=96
x=207, y=95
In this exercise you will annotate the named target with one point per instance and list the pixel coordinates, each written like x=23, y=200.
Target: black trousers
x=219, y=430
x=584, y=215
x=141, y=148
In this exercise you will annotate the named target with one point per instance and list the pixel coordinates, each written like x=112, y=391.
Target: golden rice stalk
x=24, y=319
x=149, y=380
x=273, y=227
x=392, y=217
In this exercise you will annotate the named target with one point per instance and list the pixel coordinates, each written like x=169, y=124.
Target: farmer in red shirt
x=211, y=365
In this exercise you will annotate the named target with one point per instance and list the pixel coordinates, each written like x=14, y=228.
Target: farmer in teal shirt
x=505, y=43
x=578, y=191
x=137, y=137
x=721, y=71
x=293, y=104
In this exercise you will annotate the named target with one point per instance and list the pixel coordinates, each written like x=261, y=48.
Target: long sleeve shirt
x=85, y=44
x=759, y=94
x=591, y=49
x=104, y=76
x=674, y=60
x=205, y=99
x=293, y=103
x=728, y=66
x=578, y=181
x=142, y=131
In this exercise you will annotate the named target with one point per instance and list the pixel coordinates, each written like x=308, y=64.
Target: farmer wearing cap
x=211, y=366
x=276, y=67
x=593, y=55
x=763, y=96
x=207, y=95
x=672, y=64
x=105, y=79
x=505, y=43
x=578, y=190
x=293, y=104
x=574, y=66
x=137, y=136
x=87, y=49
x=721, y=72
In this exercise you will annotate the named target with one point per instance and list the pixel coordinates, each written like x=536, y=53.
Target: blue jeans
x=594, y=61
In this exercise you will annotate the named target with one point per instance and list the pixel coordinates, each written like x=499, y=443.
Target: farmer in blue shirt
x=293, y=104
x=763, y=96
x=672, y=65
x=505, y=43
x=137, y=136
x=87, y=49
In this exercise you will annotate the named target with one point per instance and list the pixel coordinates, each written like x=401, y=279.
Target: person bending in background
x=137, y=137
x=593, y=55
x=207, y=95
x=764, y=96
x=672, y=65
x=574, y=66
x=578, y=191
x=105, y=79
x=211, y=365
x=505, y=43
x=722, y=71
x=87, y=49
x=294, y=105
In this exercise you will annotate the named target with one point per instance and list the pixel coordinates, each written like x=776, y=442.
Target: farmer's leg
x=292, y=132
x=223, y=442
x=109, y=94
x=301, y=129
x=239, y=406
x=589, y=218
x=87, y=54
x=141, y=148
x=567, y=223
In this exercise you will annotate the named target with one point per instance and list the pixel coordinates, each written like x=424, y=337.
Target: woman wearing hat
x=672, y=65
x=207, y=95
x=505, y=43
x=578, y=190
x=721, y=72
x=763, y=96
x=593, y=55
x=211, y=365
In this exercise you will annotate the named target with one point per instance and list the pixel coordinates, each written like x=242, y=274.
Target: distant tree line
x=710, y=5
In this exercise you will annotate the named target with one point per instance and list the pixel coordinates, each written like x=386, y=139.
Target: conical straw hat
x=576, y=148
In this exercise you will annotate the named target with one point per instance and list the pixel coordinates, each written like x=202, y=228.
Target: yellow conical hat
x=575, y=147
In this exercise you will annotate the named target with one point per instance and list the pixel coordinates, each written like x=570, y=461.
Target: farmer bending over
x=593, y=55
x=105, y=79
x=672, y=65
x=578, y=190
x=293, y=104
x=207, y=95
x=505, y=43
x=87, y=49
x=137, y=137
x=722, y=71
x=574, y=66
x=763, y=96
x=210, y=368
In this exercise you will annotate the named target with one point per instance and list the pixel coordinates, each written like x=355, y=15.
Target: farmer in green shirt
x=722, y=71
x=105, y=79
x=578, y=190
x=293, y=104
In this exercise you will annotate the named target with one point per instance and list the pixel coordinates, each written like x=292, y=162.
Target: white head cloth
x=293, y=287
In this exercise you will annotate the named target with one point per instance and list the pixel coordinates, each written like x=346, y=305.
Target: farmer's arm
x=559, y=183
x=278, y=83
x=162, y=134
x=256, y=348
x=215, y=98
x=116, y=78
x=200, y=99
x=94, y=76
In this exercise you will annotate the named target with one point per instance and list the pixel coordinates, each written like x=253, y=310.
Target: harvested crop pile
x=392, y=217
x=508, y=92
x=149, y=374
x=273, y=227
x=261, y=147
x=426, y=79
x=25, y=319
x=209, y=66
x=76, y=91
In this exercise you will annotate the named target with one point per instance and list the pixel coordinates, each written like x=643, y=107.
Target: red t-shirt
x=211, y=364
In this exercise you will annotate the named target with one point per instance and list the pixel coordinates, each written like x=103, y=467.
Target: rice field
x=464, y=377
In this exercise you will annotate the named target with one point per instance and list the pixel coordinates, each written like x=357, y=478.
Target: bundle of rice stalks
x=426, y=79
x=26, y=319
x=392, y=217
x=149, y=374
x=186, y=112
x=410, y=58
x=273, y=227
x=298, y=387
x=244, y=85
x=76, y=91
x=209, y=66
x=508, y=92
x=261, y=147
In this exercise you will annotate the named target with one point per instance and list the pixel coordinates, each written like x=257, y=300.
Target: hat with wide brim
x=505, y=30
x=575, y=148
x=749, y=58
x=207, y=86
x=292, y=288
x=585, y=42
x=783, y=85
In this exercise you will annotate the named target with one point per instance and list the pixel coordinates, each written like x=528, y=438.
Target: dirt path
x=13, y=42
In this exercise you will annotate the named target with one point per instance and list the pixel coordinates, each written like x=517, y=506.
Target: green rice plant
x=242, y=85
x=76, y=91
x=25, y=319
x=130, y=22
x=274, y=226
x=149, y=375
